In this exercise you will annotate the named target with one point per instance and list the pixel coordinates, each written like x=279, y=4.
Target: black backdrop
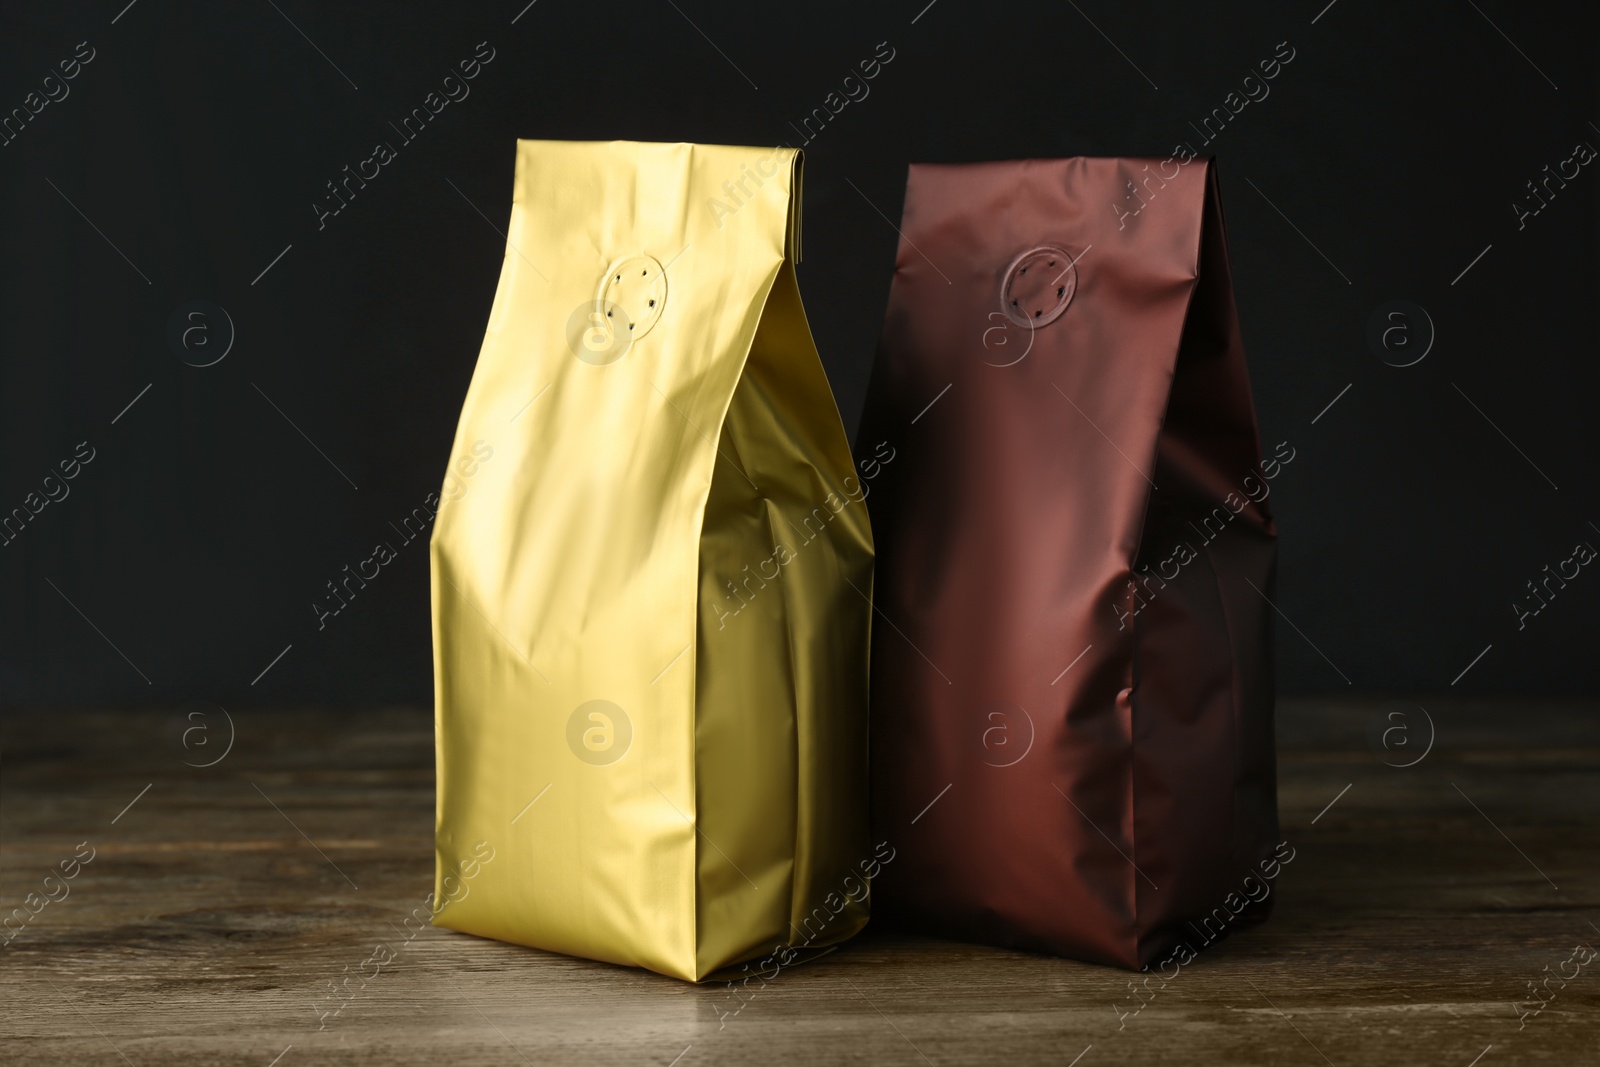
x=184, y=158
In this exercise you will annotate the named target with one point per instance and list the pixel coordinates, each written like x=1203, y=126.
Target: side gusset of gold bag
x=651, y=579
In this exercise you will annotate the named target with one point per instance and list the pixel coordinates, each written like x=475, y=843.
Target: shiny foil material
x=651, y=572
x=1072, y=709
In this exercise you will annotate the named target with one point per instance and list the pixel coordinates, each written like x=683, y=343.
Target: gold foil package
x=651, y=611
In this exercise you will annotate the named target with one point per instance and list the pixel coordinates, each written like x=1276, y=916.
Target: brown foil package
x=1072, y=705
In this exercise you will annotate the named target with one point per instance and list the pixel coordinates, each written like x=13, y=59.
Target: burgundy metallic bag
x=1072, y=697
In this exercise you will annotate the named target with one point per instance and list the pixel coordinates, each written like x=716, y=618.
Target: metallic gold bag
x=651, y=573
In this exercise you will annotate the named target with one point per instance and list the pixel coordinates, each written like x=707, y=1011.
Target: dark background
x=194, y=144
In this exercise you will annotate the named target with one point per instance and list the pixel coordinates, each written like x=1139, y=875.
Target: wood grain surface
x=224, y=902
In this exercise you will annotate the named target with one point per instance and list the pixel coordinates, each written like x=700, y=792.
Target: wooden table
x=221, y=902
